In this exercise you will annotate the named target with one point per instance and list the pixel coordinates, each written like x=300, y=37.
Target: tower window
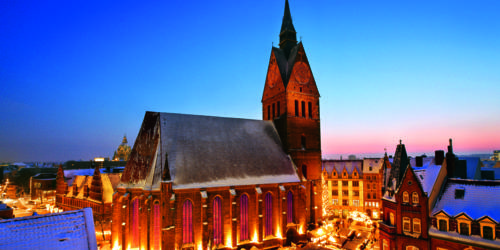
x=303, y=109
x=309, y=107
x=278, y=107
x=296, y=108
x=274, y=110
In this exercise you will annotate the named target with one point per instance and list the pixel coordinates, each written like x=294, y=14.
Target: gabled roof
x=427, y=174
x=67, y=230
x=473, y=167
x=479, y=199
x=195, y=151
x=340, y=165
x=286, y=65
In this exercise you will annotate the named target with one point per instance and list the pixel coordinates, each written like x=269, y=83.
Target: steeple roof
x=287, y=20
x=288, y=36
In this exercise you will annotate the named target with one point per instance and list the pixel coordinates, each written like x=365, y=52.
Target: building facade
x=373, y=172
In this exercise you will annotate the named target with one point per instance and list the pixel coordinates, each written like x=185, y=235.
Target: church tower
x=291, y=101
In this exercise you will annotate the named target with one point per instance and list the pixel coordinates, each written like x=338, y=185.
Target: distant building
x=123, y=151
x=373, y=176
x=6, y=212
x=345, y=184
x=43, y=185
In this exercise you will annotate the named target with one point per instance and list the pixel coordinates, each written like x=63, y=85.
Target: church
x=204, y=182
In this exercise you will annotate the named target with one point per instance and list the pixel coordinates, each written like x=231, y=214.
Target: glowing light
x=255, y=237
x=98, y=159
x=301, y=229
x=278, y=233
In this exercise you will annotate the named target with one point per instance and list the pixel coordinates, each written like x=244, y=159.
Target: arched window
x=296, y=108
x=411, y=248
x=156, y=226
x=414, y=197
x=391, y=219
x=134, y=230
x=406, y=197
x=309, y=107
x=217, y=218
x=303, y=109
x=187, y=222
x=268, y=224
x=243, y=217
x=289, y=207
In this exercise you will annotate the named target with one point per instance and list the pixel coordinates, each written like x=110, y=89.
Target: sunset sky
x=75, y=76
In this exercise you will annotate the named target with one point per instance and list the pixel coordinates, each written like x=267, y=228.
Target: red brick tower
x=291, y=101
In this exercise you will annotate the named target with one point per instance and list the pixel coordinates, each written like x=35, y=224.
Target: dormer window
x=464, y=228
x=443, y=225
x=406, y=197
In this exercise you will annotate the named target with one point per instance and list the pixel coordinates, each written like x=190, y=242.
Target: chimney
x=419, y=161
x=439, y=157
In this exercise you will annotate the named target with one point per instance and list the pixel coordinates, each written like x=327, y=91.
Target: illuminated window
x=335, y=202
x=244, y=217
x=356, y=193
x=416, y=225
x=355, y=203
x=134, y=230
x=303, y=104
x=187, y=222
x=296, y=108
x=156, y=226
x=268, y=230
x=443, y=225
x=345, y=202
x=406, y=224
x=414, y=198
x=391, y=219
x=217, y=220
x=345, y=193
x=289, y=210
x=464, y=228
x=309, y=106
x=406, y=197
x=411, y=248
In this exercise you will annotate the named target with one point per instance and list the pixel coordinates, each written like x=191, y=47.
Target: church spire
x=288, y=36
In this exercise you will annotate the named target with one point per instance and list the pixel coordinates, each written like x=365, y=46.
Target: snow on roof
x=67, y=230
x=206, y=151
x=339, y=166
x=481, y=198
x=69, y=173
x=472, y=239
x=426, y=174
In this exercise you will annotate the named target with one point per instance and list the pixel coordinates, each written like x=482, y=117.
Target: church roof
x=195, y=151
x=67, y=230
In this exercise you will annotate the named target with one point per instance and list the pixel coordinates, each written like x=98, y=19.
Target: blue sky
x=77, y=75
